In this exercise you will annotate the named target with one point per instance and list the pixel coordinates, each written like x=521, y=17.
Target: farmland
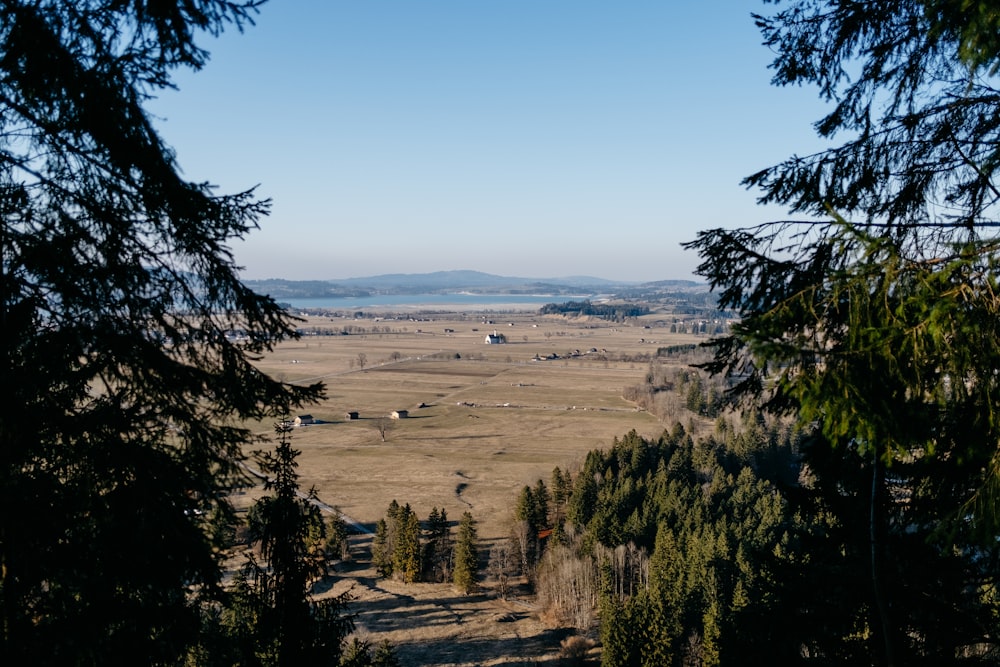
x=483, y=420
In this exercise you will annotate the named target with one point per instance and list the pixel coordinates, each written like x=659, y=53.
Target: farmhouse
x=495, y=338
x=400, y=414
x=304, y=419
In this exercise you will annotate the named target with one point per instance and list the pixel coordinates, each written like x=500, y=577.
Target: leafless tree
x=568, y=587
x=362, y=360
x=383, y=425
x=501, y=565
x=524, y=541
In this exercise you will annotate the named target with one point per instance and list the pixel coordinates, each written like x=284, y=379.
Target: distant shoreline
x=454, y=301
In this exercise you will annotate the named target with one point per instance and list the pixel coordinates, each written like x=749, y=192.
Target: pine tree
x=406, y=555
x=358, y=653
x=273, y=619
x=438, y=547
x=381, y=550
x=386, y=540
x=542, y=504
x=466, y=555
x=875, y=321
x=126, y=396
x=337, y=542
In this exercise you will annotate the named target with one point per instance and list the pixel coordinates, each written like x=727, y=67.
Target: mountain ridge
x=448, y=281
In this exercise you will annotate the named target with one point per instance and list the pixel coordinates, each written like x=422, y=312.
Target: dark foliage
x=118, y=435
x=271, y=619
x=874, y=322
x=605, y=311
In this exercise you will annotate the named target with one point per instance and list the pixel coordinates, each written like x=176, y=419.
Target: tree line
x=406, y=550
x=730, y=549
x=606, y=311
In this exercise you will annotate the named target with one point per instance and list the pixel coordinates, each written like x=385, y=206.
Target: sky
x=531, y=138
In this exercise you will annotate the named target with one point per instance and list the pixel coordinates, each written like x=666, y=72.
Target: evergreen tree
x=876, y=325
x=385, y=656
x=358, y=653
x=561, y=486
x=273, y=619
x=381, y=551
x=406, y=555
x=126, y=396
x=438, y=547
x=617, y=642
x=466, y=555
x=527, y=524
x=386, y=540
x=542, y=505
x=720, y=584
x=337, y=543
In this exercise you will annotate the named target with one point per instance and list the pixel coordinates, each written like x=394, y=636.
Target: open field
x=493, y=418
x=484, y=420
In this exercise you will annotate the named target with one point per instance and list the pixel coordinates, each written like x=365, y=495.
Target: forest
x=750, y=544
x=842, y=508
x=613, y=312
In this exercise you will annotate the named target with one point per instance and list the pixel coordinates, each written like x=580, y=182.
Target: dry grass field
x=484, y=420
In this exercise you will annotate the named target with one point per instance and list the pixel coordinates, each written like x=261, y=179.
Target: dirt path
x=431, y=624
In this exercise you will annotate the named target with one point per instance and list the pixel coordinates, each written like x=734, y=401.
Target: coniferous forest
x=842, y=508
x=732, y=549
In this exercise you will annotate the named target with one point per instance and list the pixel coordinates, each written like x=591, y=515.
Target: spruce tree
x=381, y=553
x=337, y=537
x=438, y=547
x=128, y=396
x=873, y=317
x=466, y=555
x=406, y=555
x=273, y=618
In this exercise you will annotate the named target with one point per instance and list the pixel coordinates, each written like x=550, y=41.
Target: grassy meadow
x=484, y=420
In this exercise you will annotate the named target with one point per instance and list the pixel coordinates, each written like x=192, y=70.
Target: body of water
x=414, y=301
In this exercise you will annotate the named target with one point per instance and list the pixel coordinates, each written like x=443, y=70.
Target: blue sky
x=539, y=138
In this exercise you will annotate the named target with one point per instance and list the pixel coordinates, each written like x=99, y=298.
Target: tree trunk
x=877, y=559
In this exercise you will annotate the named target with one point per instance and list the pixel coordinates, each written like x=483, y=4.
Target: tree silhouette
x=875, y=320
x=120, y=303
x=273, y=614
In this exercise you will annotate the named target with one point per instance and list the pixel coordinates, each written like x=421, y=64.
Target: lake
x=458, y=301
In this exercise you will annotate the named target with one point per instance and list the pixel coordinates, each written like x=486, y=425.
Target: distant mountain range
x=454, y=281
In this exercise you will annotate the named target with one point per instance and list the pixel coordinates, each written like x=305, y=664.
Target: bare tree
x=383, y=425
x=362, y=360
x=501, y=565
x=524, y=540
x=568, y=587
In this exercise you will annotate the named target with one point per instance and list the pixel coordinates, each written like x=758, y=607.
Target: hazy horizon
x=696, y=279
x=518, y=138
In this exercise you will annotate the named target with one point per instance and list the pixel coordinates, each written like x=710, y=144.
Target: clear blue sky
x=538, y=138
